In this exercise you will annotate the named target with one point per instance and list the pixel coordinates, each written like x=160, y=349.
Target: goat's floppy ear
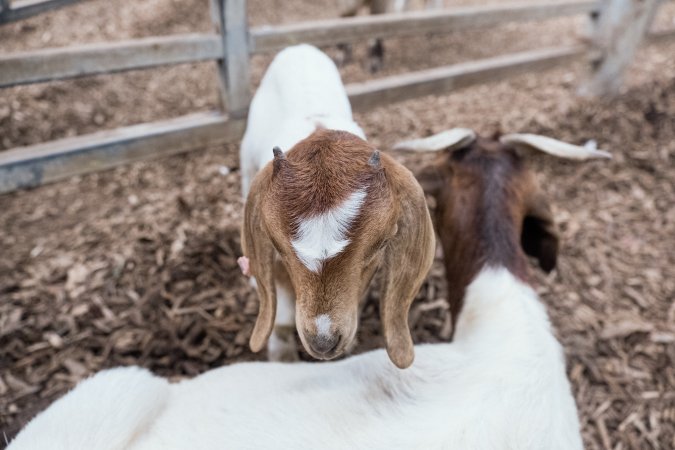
x=539, y=237
x=446, y=140
x=258, y=247
x=407, y=260
x=553, y=146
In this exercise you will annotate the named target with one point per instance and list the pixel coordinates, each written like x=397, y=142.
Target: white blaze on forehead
x=323, y=325
x=324, y=236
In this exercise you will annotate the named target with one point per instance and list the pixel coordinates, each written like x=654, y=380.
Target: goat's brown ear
x=540, y=238
x=258, y=247
x=430, y=179
x=407, y=260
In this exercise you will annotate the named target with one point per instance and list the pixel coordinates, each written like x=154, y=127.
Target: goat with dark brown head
x=490, y=208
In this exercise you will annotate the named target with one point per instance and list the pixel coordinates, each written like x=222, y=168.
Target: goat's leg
x=375, y=55
x=368, y=278
x=247, y=170
x=345, y=54
x=347, y=8
x=282, y=345
x=375, y=46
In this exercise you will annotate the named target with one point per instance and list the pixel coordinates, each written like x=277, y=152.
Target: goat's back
x=105, y=412
x=500, y=385
x=300, y=91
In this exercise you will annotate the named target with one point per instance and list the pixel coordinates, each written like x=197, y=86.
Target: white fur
x=500, y=385
x=300, y=90
x=285, y=306
x=108, y=411
x=283, y=348
x=461, y=137
x=445, y=140
x=554, y=147
x=323, y=324
x=324, y=236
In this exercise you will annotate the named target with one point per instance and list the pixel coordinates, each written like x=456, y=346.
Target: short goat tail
x=104, y=412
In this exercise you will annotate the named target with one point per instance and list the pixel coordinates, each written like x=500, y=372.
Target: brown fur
x=491, y=211
x=393, y=231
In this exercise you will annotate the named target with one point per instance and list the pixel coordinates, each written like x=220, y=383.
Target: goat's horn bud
x=279, y=160
x=374, y=160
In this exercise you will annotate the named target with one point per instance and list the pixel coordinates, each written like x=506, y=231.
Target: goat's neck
x=492, y=239
x=500, y=309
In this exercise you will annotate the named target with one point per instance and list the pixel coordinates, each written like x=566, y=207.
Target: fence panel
x=441, y=80
x=234, y=70
x=59, y=63
x=31, y=166
x=265, y=39
x=232, y=48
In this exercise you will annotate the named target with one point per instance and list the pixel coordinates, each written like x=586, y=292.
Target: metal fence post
x=233, y=69
x=618, y=29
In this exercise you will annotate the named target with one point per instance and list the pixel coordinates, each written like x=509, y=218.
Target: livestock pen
x=619, y=29
x=137, y=265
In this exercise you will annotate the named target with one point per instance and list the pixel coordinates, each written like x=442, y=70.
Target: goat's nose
x=323, y=344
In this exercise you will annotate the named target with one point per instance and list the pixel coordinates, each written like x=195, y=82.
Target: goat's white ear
x=554, y=146
x=445, y=140
x=258, y=247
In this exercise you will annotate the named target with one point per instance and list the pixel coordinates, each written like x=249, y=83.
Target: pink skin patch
x=244, y=266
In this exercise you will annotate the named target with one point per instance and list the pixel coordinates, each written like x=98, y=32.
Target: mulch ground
x=138, y=265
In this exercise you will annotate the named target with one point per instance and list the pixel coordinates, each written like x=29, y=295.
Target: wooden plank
x=618, y=31
x=324, y=32
x=22, y=9
x=43, y=163
x=658, y=37
x=370, y=94
x=235, y=70
x=59, y=63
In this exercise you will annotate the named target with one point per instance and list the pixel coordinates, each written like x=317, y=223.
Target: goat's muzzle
x=323, y=347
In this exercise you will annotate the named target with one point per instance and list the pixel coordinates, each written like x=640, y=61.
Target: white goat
x=500, y=385
x=323, y=217
x=300, y=90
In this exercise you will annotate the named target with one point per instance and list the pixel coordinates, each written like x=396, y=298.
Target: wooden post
x=618, y=29
x=231, y=19
x=4, y=6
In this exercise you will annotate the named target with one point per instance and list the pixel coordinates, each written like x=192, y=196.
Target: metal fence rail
x=23, y=9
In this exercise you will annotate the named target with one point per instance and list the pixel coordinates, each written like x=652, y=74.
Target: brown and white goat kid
x=321, y=218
